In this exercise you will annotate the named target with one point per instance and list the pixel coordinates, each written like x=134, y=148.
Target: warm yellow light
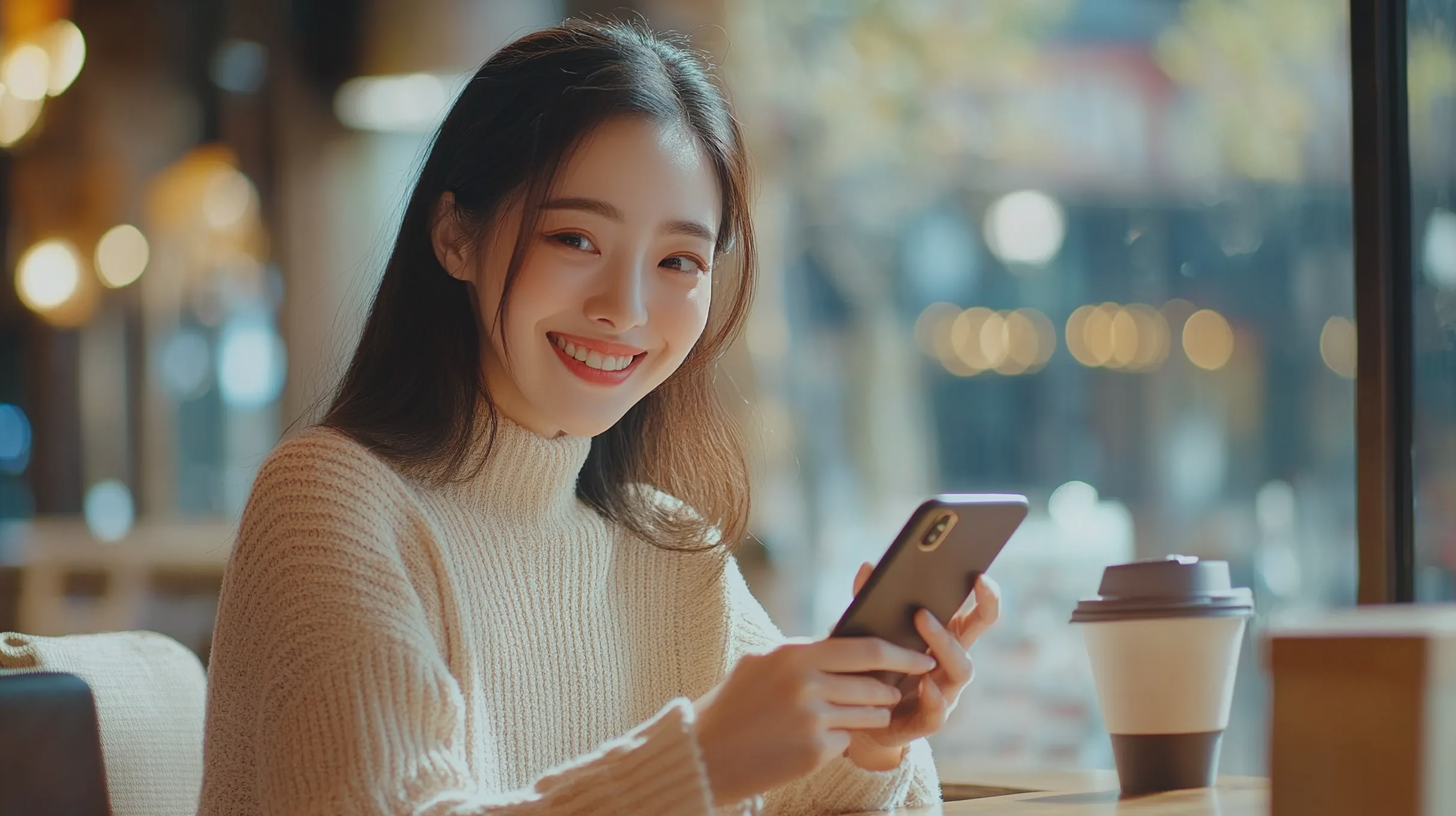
x=1022, y=340
x=1153, y=337
x=1046, y=336
x=26, y=72
x=1125, y=340
x=1077, y=336
x=995, y=342
x=66, y=51
x=932, y=329
x=121, y=255
x=48, y=275
x=17, y=116
x=1097, y=333
x=226, y=198
x=1338, y=346
x=1207, y=340
x=965, y=337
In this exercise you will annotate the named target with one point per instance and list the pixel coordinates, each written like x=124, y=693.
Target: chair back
x=150, y=697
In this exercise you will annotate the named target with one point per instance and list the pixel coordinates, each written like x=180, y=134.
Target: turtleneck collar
x=525, y=475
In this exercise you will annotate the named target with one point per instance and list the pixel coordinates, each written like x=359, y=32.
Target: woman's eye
x=574, y=240
x=685, y=263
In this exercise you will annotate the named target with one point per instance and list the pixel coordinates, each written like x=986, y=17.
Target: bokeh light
x=1123, y=339
x=1072, y=503
x=14, y=439
x=26, y=72
x=1128, y=338
x=1097, y=332
x=1207, y=340
x=109, y=510
x=17, y=117
x=978, y=339
x=1046, y=336
x=65, y=49
x=965, y=338
x=932, y=329
x=227, y=198
x=1338, y=346
x=1025, y=227
x=239, y=66
x=1154, y=337
x=1076, y=334
x=121, y=255
x=185, y=364
x=413, y=103
x=48, y=275
x=251, y=361
x=1438, y=249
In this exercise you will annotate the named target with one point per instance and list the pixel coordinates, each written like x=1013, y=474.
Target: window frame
x=1381, y=190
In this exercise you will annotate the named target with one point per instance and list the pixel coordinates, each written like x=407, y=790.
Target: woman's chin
x=586, y=423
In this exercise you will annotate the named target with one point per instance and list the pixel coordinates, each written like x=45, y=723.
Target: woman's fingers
x=864, y=654
x=862, y=576
x=855, y=690
x=857, y=717
x=932, y=703
x=985, y=608
x=945, y=647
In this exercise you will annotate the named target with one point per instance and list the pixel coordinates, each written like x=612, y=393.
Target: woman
x=494, y=579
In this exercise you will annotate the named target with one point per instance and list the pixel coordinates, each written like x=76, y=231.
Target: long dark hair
x=414, y=386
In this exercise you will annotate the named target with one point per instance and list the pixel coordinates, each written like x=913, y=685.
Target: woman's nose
x=620, y=303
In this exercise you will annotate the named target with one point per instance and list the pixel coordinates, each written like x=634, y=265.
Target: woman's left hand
x=924, y=710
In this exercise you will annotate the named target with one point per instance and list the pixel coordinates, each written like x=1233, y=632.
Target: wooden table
x=1093, y=793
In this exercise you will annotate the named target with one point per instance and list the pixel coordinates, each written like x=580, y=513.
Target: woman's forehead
x=642, y=166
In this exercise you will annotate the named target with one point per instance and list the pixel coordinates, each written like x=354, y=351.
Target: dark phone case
x=908, y=578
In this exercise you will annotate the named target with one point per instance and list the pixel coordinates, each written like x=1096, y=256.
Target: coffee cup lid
x=1178, y=586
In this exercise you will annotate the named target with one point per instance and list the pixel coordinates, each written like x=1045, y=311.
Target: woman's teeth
x=593, y=359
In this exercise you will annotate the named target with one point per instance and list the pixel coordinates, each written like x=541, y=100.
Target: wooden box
x=1363, y=718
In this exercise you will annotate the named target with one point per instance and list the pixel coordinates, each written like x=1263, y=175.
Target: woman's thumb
x=863, y=575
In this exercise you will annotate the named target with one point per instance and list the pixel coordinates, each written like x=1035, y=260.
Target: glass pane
x=1097, y=252
x=1431, y=85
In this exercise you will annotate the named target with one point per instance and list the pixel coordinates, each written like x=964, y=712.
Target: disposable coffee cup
x=1163, y=638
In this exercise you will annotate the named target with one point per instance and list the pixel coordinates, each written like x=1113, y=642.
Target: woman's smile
x=596, y=361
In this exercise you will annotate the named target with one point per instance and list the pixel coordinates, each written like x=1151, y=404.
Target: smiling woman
x=615, y=285
x=590, y=185
x=496, y=578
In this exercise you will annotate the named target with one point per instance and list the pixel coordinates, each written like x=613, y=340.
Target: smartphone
x=949, y=541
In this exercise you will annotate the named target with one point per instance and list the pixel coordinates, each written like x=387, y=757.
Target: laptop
x=50, y=747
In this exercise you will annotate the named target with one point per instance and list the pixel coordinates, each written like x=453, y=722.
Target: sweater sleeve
x=325, y=652
x=840, y=786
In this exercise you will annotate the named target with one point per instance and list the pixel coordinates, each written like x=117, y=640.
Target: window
x=1097, y=252
x=1431, y=89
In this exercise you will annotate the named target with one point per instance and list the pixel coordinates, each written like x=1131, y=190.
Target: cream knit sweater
x=494, y=647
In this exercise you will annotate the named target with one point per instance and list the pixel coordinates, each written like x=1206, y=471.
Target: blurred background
x=1095, y=251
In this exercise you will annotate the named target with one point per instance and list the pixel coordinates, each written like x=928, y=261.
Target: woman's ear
x=448, y=239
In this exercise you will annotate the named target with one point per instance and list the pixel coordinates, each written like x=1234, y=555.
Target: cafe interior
x=1180, y=272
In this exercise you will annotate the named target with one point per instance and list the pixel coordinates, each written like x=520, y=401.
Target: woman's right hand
x=781, y=715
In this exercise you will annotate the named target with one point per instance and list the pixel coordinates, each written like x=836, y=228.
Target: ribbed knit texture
x=149, y=692
x=493, y=647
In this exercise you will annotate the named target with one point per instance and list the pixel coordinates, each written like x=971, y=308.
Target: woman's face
x=614, y=287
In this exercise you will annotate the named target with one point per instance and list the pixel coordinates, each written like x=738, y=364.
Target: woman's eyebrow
x=596, y=206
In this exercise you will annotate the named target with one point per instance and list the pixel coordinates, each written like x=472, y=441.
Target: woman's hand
x=781, y=715
x=923, y=711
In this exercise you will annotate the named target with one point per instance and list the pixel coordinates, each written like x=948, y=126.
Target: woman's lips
x=592, y=375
